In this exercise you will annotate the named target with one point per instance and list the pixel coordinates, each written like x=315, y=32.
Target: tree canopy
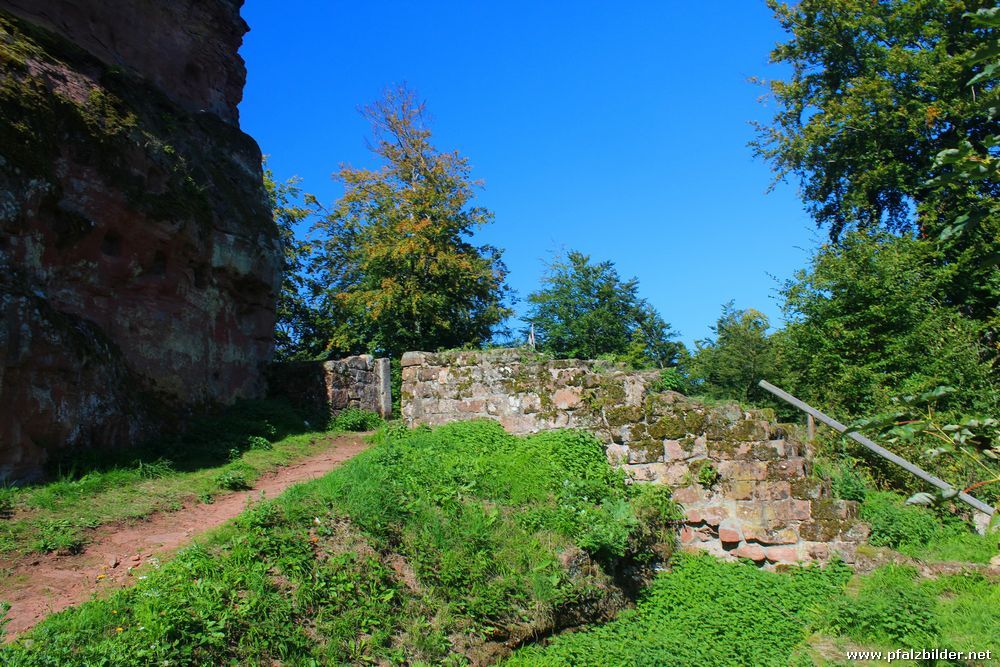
x=586, y=310
x=741, y=354
x=394, y=268
x=877, y=91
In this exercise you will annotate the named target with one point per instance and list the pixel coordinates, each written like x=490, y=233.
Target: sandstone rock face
x=742, y=479
x=139, y=263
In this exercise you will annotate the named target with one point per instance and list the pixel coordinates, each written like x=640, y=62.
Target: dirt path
x=44, y=584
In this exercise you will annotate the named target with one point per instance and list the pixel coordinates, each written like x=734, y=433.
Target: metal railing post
x=878, y=449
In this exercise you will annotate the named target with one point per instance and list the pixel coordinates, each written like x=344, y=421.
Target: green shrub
x=61, y=536
x=671, y=379
x=414, y=552
x=235, y=477
x=7, y=497
x=355, y=419
x=258, y=442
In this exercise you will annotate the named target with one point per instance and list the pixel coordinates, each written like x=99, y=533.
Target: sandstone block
x=743, y=470
x=788, y=469
x=730, y=532
x=773, y=490
x=754, y=552
x=783, y=554
x=567, y=398
x=689, y=494
x=412, y=359
x=764, y=535
x=740, y=490
x=674, y=451
x=617, y=454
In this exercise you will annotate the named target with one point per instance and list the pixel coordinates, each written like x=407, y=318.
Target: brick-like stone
x=689, y=494
x=773, y=490
x=764, y=535
x=729, y=532
x=740, y=490
x=743, y=470
x=566, y=398
x=793, y=468
x=783, y=554
x=674, y=451
x=754, y=552
x=617, y=454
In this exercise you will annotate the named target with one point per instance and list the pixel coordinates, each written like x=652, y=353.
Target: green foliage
x=894, y=523
x=7, y=496
x=705, y=612
x=259, y=443
x=62, y=536
x=966, y=448
x=393, y=269
x=356, y=419
x=235, y=477
x=877, y=91
x=741, y=354
x=586, y=311
x=888, y=608
x=429, y=543
x=866, y=323
x=671, y=379
x=889, y=122
x=974, y=160
x=296, y=328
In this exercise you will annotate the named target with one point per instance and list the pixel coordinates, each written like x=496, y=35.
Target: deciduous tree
x=395, y=268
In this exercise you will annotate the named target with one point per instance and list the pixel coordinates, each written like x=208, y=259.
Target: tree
x=889, y=121
x=865, y=323
x=741, y=354
x=297, y=322
x=878, y=90
x=394, y=269
x=586, y=311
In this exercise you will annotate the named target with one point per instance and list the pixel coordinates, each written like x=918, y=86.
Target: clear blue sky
x=617, y=129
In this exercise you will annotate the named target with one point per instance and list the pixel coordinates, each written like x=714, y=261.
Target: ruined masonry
x=742, y=479
x=329, y=387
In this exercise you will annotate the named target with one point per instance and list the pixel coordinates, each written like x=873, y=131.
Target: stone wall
x=328, y=387
x=139, y=261
x=742, y=478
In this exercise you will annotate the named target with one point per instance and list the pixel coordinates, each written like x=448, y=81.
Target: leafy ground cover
x=434, y=546
x=709, y=612
x=219, y=453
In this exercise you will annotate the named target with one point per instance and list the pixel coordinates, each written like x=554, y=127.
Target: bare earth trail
x=40, y=585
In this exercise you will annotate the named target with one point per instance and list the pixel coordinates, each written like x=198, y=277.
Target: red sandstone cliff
x=138, y=259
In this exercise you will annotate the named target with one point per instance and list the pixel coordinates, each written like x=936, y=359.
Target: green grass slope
x=434, y=546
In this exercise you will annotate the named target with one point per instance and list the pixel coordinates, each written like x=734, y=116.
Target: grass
x=703, y=612
x=440, y=546
x=709, y=612
x=219, y=453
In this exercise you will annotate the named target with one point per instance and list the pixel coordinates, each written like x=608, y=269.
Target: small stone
x=754, y=552
x=740, y=490
x=688, y=494
x=729, y=532
x=786, y=554
x=673, y=451
x=113, y=563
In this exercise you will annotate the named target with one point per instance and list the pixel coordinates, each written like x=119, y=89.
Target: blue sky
x=616, y=129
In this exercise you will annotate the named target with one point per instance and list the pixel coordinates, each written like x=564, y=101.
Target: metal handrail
x=878, y=449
